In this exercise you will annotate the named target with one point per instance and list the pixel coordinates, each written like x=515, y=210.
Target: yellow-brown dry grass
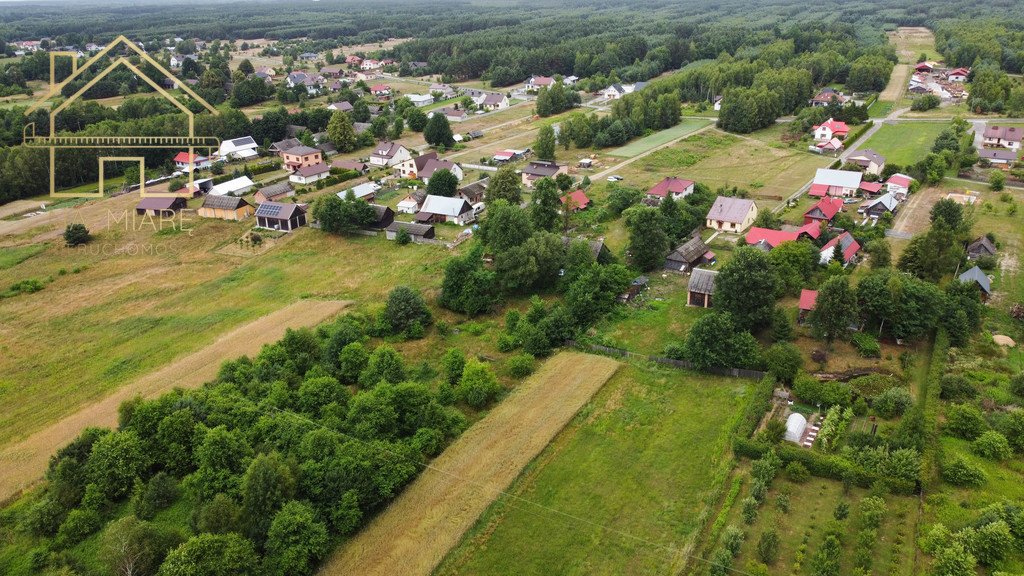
x=24, y=462
x=897, y=85
x=414, y=533
x=914, y=215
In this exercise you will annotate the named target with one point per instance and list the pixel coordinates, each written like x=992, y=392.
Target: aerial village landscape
x=528, y=289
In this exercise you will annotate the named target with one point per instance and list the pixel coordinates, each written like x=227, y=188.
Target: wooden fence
x=681, y=364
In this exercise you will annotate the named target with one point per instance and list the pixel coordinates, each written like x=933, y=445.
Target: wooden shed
x=226, y=208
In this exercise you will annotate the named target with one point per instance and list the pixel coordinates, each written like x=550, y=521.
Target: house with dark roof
x=282, y=146
x=474, y=193
x=278, y=216
x=300, y=157
x=493, y=101
x=688, y=255
x=274, y=193
x=843, y=247
x=977, y=277
x=226, y=208
x=383, y=215
x=310, y=174
x=678, y=188
x=981, y=247
x=389, y=154
x=411, y=167
x=826, y=96
x=598, y=249
x=418, y=232
x=997, y=157
x=701, y=288
x=538, y=169
x=877, y=207
x=343, y=106
x=435, y=164
x=157, y=206
x=870, y=161
x=1004, y=136
x=354, y=165
x=411, y=203
x=824, y=211
x=729, y=214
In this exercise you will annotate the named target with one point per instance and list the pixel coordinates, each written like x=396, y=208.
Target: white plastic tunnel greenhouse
x=795, y=426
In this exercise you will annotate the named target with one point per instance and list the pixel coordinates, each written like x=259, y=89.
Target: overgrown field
x=905, y=142
x=623, y=490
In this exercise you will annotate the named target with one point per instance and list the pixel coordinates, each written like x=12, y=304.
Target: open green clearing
x=643, y=458
x=642, y=145
x=905, y=142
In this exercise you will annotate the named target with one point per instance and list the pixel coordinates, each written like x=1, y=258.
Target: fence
x=681, y=364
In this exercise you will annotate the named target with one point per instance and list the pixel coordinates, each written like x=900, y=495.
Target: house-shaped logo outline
x=52, y=142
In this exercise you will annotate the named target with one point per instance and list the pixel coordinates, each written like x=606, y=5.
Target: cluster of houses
x=931, y=78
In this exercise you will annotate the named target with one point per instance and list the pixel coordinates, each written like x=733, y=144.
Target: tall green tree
x=212, y=555
x=544, y=146
x=338, y=216
x=834, y=310
x=506, y=226
x=746, y=288
x=296, y=541
x=443, y=183
x=504, y=185
x=267, y=485
x=438, y=132
x=545, y=205
x=341, y=132
x=648, y=242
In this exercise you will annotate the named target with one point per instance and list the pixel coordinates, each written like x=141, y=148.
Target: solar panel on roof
x=270, y=210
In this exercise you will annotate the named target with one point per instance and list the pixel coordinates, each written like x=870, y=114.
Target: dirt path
x=19, y=207
x=898, y=82
x=914, y=215
x=621, y=165
x=414, y=533
x=25, y=462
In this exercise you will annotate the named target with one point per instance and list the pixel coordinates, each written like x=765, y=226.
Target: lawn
x=642, y=145
x=123, y=315
x=643, y=459
x=905, y=142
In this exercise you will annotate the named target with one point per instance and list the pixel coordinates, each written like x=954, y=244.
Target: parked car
x=615, y=178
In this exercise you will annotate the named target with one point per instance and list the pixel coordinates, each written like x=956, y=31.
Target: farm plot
x=660, y=138
x=25, y=462
x=430, y=516
x=623, y=490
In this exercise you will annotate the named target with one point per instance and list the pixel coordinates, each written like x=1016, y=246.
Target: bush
x=402, y=237
x=478, y=386
x=782, y=502
x=78, y=525
x=768, y=546
x=871, y=385
x=159, y=493
x=797, y=472
x=810, y=390
x=783, y=360
x=925, y=102
x=732, y=540
x=893, y=402
x=992, y=445
x=748, y=509
x=957, y=387
x=520, y=365
x=867, y=345
x=76, y=234
x=872, y=510
x=960, y=472
x=842, y=511
x=965, y=421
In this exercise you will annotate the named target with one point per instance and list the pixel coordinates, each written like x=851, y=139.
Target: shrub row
x=818, y=464
x=856, y=135
x=756, y=408
x=932, y=388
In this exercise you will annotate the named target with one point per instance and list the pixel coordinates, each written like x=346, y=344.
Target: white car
x=615, y=178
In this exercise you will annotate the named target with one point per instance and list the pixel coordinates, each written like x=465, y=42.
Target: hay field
x=416, y=531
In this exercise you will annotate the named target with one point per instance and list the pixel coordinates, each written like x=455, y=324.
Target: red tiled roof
x=829, y=207
x=579, y=199
x=771, y=237
x=871, y=187
x=852, y=247
x=819, y=190
x=183, y=158
x=670, y=184
x=836, y=126
x=899, y=180
x=807, y=299
x=380, y=88
x=812, y=229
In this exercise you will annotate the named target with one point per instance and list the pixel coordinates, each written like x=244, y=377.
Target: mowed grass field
x=659, y=138
x=905, y=142
x=124, y=314
x=430, y=516
x=623, y=490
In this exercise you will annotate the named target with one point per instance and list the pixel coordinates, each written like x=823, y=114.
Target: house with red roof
x=183, y=159
x=537, y=82
x=380, y=90
x=353, y=59
x=766, y=238
x=576, y=200
x=830, y=129
x=870, y=188
x=899, y=185
x=808, y=298
x=827, y=146
x=958, y=74
x=824, y=211
x=843, y=247
x=678, y=188
x=924, y=66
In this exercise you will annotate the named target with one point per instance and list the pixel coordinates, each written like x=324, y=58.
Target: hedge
x=818, y=464
x=930, y=390
x=756, y=408
x=856, y=135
